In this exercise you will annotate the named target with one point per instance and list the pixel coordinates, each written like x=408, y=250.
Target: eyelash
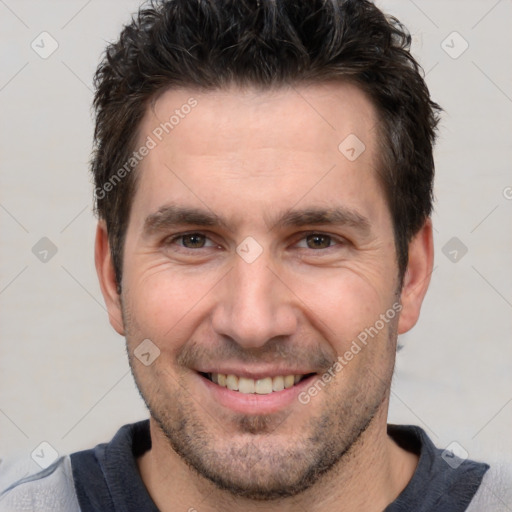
x=335, y=240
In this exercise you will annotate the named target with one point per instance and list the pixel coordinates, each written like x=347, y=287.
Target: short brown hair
x=210, y=44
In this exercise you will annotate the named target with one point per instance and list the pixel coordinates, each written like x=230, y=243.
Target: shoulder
x=443, y=481
x=495, y=491
x=22, y=488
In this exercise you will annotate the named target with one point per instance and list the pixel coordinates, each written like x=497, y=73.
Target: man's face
x=257, y=248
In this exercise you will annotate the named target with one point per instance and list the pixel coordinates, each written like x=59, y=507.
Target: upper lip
x=254, y=373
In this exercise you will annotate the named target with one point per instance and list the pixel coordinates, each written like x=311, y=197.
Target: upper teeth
x=259, y=386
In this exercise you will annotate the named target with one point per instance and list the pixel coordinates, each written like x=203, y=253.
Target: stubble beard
x=258, y=464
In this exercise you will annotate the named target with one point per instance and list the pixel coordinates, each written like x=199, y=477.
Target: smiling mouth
x=262, y=386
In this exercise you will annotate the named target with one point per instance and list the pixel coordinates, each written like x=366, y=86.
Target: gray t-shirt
x=106, y=478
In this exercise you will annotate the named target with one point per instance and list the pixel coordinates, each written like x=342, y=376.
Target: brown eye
x=193, y=241
x=318, y=241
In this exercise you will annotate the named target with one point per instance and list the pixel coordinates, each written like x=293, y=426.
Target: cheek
x=163, y=300
x=343, y=302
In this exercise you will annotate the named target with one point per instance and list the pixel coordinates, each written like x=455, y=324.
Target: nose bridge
x=254, y=305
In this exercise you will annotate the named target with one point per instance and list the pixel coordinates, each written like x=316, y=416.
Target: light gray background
x=64, y=376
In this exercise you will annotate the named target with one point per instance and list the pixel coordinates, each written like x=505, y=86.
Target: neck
x=369, y=477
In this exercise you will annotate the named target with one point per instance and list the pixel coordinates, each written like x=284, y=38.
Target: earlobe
x=417, y=277
x=107, y=277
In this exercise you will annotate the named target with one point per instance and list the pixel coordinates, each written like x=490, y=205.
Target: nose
x=254, y=305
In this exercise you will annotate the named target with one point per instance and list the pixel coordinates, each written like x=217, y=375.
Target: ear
x=107, y=277
x=417, y=277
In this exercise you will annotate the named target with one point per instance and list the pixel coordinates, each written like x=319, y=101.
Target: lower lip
x=252, y=403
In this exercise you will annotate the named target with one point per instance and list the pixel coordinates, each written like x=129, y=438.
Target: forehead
x=261, y=145
x=313, y=117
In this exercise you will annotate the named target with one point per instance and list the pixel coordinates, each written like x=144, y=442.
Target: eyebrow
x=338, y=216
x=170, y=216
